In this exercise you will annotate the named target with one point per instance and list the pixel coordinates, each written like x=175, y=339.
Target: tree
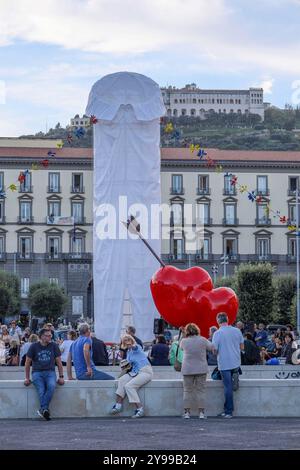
x=285, y=290
x=255, y=291
x=9, y=294
x=229, y=281
x=47, y=300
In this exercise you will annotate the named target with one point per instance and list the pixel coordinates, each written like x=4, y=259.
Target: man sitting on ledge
x=82, y=355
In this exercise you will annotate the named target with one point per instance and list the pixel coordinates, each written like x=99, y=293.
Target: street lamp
x=215, y=270
x=297, y=259
x=224, y=262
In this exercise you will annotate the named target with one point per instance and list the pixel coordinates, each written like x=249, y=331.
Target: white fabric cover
x=126, y=163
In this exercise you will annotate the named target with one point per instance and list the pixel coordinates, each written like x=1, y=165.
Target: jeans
x=228, y=391
x=97, y=375
x=45, y=383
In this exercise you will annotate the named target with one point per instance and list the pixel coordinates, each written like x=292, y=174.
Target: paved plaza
x=152, y=434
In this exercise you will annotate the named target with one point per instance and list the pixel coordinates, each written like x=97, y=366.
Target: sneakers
x=224, y=415
x=139, y=413
x=202, y=415
x=186, y=415
x=45, y=414
x=117, y=408
x=235, y=381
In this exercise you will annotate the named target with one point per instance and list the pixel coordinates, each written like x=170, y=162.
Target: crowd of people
x=227, y=348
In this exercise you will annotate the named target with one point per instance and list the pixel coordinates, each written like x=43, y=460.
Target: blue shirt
x=137, y=358
x=78, y=357
x=262, y=337
x=227, y=341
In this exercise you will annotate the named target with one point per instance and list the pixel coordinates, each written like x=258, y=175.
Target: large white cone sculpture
x=127, y=165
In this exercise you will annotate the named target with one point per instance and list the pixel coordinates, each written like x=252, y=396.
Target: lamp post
x=297, y=260
x=215, y=270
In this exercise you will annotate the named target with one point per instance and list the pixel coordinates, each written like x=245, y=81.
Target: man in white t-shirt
x=228, y=342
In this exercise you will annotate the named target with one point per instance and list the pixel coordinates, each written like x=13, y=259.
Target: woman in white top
x=66, y=345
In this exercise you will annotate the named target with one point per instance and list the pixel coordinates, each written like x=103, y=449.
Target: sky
x=51, y=52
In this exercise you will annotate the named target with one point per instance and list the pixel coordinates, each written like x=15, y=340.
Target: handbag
x=126, y=367
x=177, y=364
x=216, y=374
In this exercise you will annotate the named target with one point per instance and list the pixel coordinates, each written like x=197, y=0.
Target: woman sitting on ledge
x=139, y=373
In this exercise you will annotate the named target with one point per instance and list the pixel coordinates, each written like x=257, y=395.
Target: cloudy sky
x=51, y=52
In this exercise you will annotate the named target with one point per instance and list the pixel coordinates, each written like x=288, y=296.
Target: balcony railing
x=263, y=221
x=264, y=258
x=81, y=256
x=77, y=189
x=263, y=192
x=233, y=258
x=229, y=191
x=291, y=192
x=203, y=191
x=53, y=257
x=54, y=189
x=204, y=221
x=2, y=219
x=25, y=220
x=231, y=221
x=26, y=189
x=25, y=256
x=175, y=191
x=203, y=257
x=79, y=221
x=291, y=259
x=179, y=257
x=2, y=257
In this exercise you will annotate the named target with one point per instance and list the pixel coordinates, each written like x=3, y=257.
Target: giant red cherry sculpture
x=187, y=296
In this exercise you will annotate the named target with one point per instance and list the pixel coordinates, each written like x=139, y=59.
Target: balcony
x=229, y=191
x=230, y=222
x=25, y=189
x=177, y=191
x=77, y=189
x=2, y=257
x=25, y=220
x=203, y=257
x=78, y=256
x=263, y=221
x=291, y=192
x=205, y=221
x=263, y=192
x=80, y=221
x=264, y=258
x=49, y=257
x=177, y=257
x=233, y=258
x=203, y=191
x=291, y=259
x=25, y=257
x=2, y=220
x=53, y=189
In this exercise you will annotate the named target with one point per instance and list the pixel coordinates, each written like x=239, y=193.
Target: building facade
x=46, y=224
x=78, y=121
x=193, y=101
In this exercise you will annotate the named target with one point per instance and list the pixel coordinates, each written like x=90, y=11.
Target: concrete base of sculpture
x=260, y=397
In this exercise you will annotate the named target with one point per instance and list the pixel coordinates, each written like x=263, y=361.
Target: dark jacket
x=251, y=355
x=287, y=351
x=160, y=355
x=100, y=354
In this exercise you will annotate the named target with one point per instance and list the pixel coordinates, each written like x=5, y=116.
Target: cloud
x=267, y=85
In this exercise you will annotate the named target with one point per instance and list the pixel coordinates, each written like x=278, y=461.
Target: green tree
x=255, y=291
x=47, y=300
x=285, y=290
x=229, y=281
x=9, y=294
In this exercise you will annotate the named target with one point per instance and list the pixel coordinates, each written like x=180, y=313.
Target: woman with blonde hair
x=138, y=372
x=194, y=368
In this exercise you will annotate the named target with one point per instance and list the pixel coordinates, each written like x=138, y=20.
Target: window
x=175, y=101
x=54, y=247
x=2, y=218
x=77, y=247
x=228, y=187
x=54, y=208
x=176, y=214
x=262, y=214
x=263, y=250
x=203, y=184
x=292, y=213
x=262, y=185
x=177, y=184
x=230, y=214
x=77, y=183
x=203, y=213
x=2, y=245
x=177, y=248
x=24, y=287
x=54, y=183
x=293, y=184
x=183, y=112
x=25, y=186
x=292, y=248
x=1, y=181
x=77, y=305
x=25, y=247
x=203, y=252
x=77, y=211
x=54, y=280
x=25, y=211
x=230, y=247
x=175, y=112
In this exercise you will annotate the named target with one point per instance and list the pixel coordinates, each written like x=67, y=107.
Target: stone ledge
x=256, y=397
